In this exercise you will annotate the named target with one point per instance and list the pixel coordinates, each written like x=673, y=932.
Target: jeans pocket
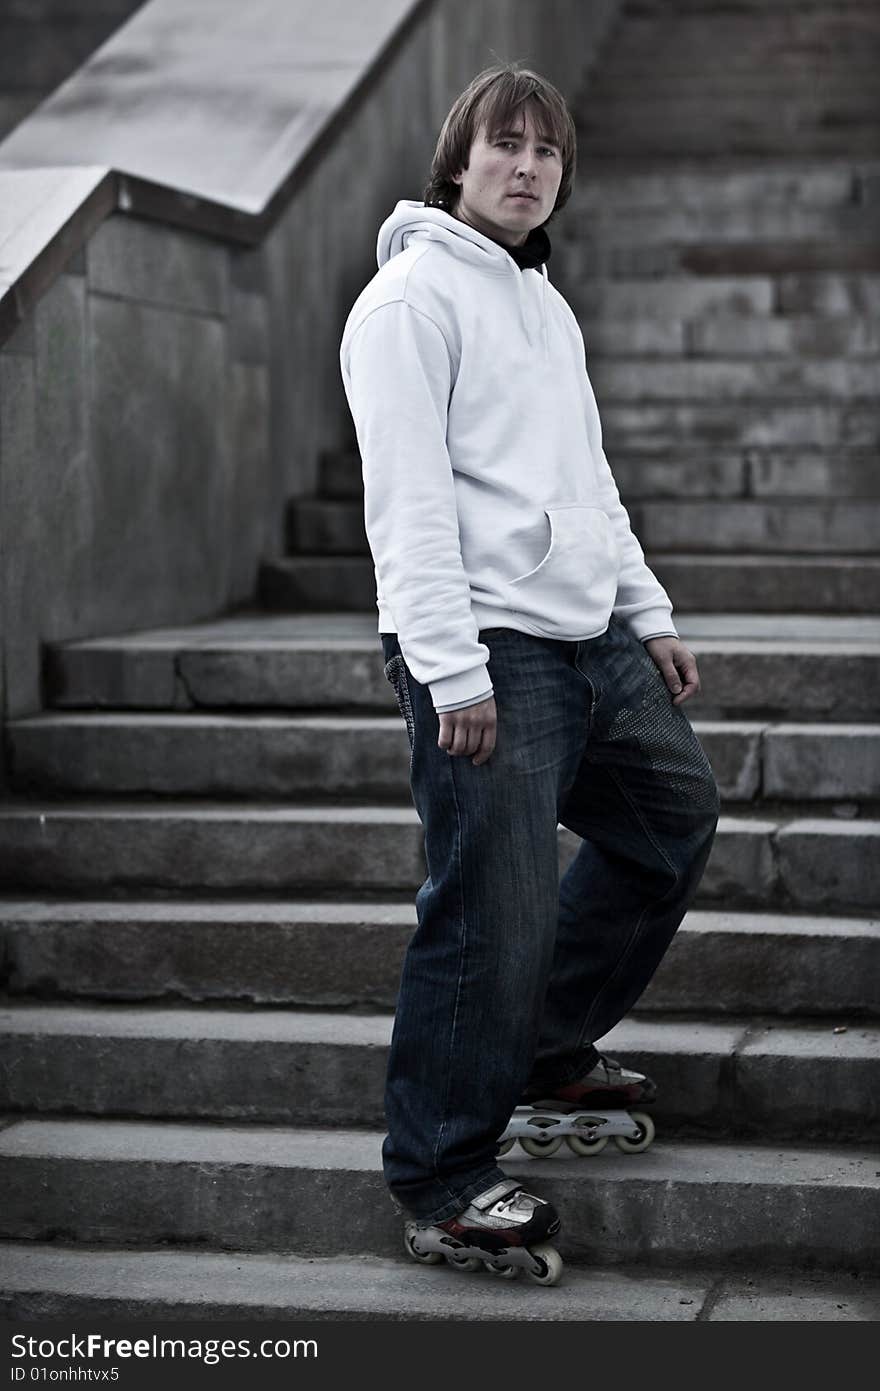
x=396, y=673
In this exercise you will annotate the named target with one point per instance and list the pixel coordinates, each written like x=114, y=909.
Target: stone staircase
x=210, y=855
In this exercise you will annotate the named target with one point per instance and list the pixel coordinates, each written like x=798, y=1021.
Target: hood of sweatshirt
x=411, y=221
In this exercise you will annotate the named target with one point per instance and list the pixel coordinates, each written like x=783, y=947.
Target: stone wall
x=43, y=41
x=170, y=390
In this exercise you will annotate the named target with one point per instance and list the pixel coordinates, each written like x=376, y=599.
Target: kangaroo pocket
x=574, y=587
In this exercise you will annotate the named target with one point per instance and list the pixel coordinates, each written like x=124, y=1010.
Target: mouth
x=523, y=197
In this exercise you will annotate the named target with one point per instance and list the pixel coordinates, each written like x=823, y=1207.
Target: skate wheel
x=504, y=1147
x=550, y=1262
x=586, y=1147
x=646, y=1134
x=464, y=1262
x=504, y=1272
x=541, y=1148
x=424, y=1257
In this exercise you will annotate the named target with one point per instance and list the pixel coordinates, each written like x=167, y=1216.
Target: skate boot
x=585, y=1114
x=505, y=1228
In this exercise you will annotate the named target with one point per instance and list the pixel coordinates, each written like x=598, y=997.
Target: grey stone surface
x=823, y=862
x=284, y=1067
x=655, y=426
x=120, y=846
x=798, y=765
x=254, y=498
x=254, y=1188
x=269, y=756
x=826, y=475
x=766, y=525
x=160, y=452
x=49, y=1281
x=350, y=954
x=761, y=665
x=249, y=326
x=22, y=575
x=823, y=1076
x=42, y=1281
x=830, y=293
x=802, y=334
x=768, y=583
x=258, y=756
x=741, y=866
x=270, y=952
x=771, y=964
x=720, y=380
x=318, y=582
x=667, y=299
x=694, y=187
x=155, y=264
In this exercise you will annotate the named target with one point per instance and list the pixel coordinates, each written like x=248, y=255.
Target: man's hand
x=678, y=666
x=471, y=730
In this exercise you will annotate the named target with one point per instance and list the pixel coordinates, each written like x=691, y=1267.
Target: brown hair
x=494, y=98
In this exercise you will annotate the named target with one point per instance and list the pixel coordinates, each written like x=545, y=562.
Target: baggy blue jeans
x=511, y=973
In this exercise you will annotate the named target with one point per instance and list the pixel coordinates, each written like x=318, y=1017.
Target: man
x=534, y=660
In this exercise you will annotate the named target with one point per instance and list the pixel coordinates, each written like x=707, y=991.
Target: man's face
x=517, y=162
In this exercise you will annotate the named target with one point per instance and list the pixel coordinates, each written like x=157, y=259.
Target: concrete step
x=252, y=1188
x=750, y=473
x=744, y=1077
x=849, y=87
x=806, y=584
x=781, y=584
x=769, y=37
x=731, y=336
x=708, y=8
x=272, y=757
x=700, y=472
x=706, y=297
x=720, y=381
x=345, y=955
x=46, y=1280
x=732, y=183
x=786, y=525
x=775, y=665
x=793, y=525
x=776, y=859
x=589, y=226
x=737, y=129
x=770, y=256
x=318, y=583
x=660, y=426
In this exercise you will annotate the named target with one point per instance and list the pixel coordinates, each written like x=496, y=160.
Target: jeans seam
x=634, y=935
x=461, y=953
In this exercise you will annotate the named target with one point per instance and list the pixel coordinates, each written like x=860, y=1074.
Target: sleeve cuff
x=463, y=704
x=652, y=623
x=465, y=688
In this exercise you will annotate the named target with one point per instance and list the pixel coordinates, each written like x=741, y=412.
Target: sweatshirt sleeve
x=398, y=377
x=641, y=598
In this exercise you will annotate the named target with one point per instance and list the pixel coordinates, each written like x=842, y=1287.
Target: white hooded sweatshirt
x=489, y=502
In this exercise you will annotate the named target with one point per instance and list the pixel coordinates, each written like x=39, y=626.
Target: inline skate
x=585, y=1114
x=505, y=1228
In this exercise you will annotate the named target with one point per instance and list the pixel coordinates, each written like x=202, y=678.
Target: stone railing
x=183, y=227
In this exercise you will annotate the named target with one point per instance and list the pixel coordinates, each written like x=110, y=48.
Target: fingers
x=689, y=684
x=469, y=731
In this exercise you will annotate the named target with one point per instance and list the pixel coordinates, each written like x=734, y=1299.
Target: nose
x=525, y=167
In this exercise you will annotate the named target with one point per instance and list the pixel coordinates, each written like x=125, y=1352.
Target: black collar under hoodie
x=534, y=252
x=488, y=499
